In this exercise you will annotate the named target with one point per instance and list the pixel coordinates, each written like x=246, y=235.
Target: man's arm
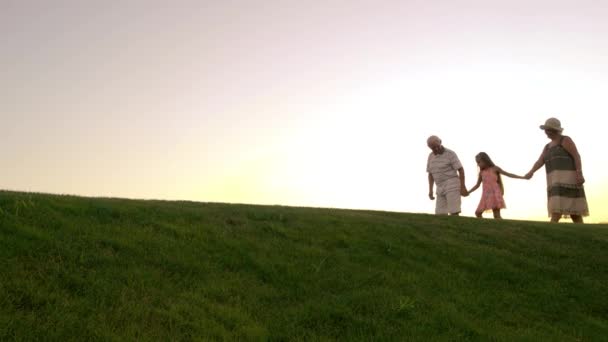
x=457, y=165
x=431, y=183
x=431, y=179
x=463, y=187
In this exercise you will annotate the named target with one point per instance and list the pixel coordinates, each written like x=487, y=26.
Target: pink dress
x=491, y=197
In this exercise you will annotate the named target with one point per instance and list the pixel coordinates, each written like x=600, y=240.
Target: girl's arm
x=476, y=185
x=503, y=172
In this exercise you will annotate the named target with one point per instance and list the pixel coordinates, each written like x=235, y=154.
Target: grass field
x=111, y=269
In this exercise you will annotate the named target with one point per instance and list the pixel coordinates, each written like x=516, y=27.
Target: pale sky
x=306, y=103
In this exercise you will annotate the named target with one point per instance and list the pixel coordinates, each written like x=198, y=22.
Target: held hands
x=529, y=175
x=463, y=191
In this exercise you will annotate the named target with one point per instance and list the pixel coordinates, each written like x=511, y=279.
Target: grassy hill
x=110, y=269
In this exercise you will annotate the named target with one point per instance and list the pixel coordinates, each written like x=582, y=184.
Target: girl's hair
x=485, y=158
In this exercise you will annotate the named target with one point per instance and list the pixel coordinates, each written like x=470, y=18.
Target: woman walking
x=565, y=191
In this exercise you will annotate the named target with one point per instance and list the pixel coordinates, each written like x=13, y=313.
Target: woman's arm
x=569, y=146
x=539, y=163
x=503, y=172
x=476, y=185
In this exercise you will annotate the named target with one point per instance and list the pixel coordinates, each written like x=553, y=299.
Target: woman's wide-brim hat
x=552, y=124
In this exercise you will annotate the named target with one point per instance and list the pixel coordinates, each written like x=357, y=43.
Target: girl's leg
x=577, y=218
x=479, y=214
x=555, y=217
x=496, y=214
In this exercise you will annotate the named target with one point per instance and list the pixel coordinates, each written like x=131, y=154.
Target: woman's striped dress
x=564, y=195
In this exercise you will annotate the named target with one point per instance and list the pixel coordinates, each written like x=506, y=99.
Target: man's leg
x=454, y=201
x=441, y=205
x=555, y=217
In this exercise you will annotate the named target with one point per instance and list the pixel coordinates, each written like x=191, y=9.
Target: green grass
x=110, y=269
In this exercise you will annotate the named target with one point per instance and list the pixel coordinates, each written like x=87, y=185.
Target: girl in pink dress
x=492, y=190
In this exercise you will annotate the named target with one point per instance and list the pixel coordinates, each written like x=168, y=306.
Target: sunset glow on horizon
x=318, y=103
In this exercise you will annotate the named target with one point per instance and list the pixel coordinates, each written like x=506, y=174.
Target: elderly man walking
x=446, y=171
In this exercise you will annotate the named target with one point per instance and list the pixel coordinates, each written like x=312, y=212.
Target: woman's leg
x=577, y=218
x=496, y=214
x=479, y=214
x=555, y=217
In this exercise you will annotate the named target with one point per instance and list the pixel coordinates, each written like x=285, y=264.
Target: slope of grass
x=110, y=269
